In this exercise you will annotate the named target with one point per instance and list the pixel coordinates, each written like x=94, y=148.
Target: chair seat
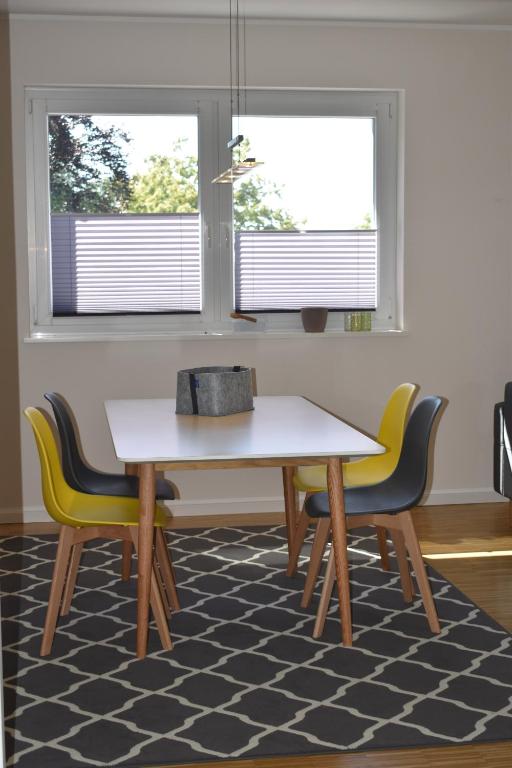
x=358, y=472
x=85, y=510
x=311, y=479
x=389, y=497
x=107, y=484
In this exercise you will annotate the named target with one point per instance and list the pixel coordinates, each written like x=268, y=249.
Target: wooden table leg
x=339, y=544
x=290, y=503
x=145, y=553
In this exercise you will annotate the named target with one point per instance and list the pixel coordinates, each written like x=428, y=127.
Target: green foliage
x=367, y=222
x=88, y=174
x=169, y=185
x=249, y=210
x=251, y=213
x=88, y=166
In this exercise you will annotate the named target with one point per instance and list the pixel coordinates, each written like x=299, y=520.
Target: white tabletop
x=278, y=427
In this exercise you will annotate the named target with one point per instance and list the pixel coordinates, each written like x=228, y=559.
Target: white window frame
x=214, y=117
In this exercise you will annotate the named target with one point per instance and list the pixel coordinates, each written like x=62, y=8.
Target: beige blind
x=124, y=264
x=279, y=271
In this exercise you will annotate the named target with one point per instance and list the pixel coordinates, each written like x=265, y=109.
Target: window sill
x=95, y=336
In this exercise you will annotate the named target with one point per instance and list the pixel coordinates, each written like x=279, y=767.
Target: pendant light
x=237, y=54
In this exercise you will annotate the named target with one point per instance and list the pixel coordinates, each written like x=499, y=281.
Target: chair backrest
x=375, y=469
x=502, y=458
x=507, y=410
x=75, y=470
x=57, y=494
x=410, y=475
x=394, y=419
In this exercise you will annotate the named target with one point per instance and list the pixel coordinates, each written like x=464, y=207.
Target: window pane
x=305, y=231
x=125, y=234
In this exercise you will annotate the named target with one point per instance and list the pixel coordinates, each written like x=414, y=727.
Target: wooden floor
x=472, y=547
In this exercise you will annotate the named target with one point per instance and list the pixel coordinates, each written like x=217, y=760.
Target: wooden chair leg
x=76, y=554
x=126, y=566
x=323, y=529
x=157, y=606
x=166, y=569
x=155, y=600
x=325, y=598
x=397, y=538
x=413, y=547
x=290, y=504
x=383, y=547
x=297, y=542
x=59, y=575
x=161, y=588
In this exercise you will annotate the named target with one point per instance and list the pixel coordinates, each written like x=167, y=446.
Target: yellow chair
x=367, y=471
x=83, y=517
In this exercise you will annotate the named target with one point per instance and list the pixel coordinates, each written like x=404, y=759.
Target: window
x=128, y=234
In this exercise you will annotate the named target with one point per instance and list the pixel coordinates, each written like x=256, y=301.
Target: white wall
x=458, y=277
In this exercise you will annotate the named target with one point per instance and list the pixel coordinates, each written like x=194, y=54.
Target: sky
x=322, y=165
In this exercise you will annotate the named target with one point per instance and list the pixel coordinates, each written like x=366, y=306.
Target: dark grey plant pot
x=314, y=319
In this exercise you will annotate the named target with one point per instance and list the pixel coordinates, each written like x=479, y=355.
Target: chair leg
x=158, y=608
x=323, y=529
x=126, y=566
x=383, y=547
x=76, y=554
x=59, y=575
x=155, y=600
x=297, y=542
x=166, y=569
x=161, y=588
x=290, y=504
x=325, y=598
x=397, y=538
x=413, y=547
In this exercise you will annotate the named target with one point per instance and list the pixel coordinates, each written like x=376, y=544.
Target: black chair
x=385, y=504
x=503, y=444
x=80, y=475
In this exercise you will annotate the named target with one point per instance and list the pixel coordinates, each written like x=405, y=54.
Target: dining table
x=283, y=431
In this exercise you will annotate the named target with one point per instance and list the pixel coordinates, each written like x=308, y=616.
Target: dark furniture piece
x=80, y=475
x=503, y=444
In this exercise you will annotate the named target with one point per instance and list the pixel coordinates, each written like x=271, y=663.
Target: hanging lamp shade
x=236, y=171
x=240, y=168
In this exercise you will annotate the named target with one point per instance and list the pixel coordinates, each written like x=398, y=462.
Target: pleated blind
x=124, y=264
x=280, y=271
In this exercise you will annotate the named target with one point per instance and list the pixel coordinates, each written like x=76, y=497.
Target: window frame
x=213, y=108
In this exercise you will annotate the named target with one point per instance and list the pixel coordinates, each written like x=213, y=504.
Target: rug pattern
x=245, y=678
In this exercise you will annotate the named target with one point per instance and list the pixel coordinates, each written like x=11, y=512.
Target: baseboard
x=231, y=506
x=254, y=505
x=462, y=496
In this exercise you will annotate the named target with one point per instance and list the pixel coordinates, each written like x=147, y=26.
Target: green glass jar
x=366, y=324
x=358, y=321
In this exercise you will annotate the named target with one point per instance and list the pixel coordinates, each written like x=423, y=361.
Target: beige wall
x=458, y=278
x=10, y=465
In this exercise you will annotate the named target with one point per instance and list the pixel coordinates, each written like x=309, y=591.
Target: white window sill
x=95, y=336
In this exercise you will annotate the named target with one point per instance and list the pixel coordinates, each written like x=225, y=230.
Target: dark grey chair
x=385, y=504
x=80, y=475
x=503, y=444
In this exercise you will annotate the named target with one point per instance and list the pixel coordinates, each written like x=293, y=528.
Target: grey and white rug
x=245, y=678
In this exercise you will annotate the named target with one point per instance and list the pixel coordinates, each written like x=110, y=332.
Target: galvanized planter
x=215, y=390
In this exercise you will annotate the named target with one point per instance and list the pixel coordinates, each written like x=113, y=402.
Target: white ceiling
x=474, y=12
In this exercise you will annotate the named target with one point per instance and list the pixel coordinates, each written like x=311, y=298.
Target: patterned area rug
x=245, y=678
